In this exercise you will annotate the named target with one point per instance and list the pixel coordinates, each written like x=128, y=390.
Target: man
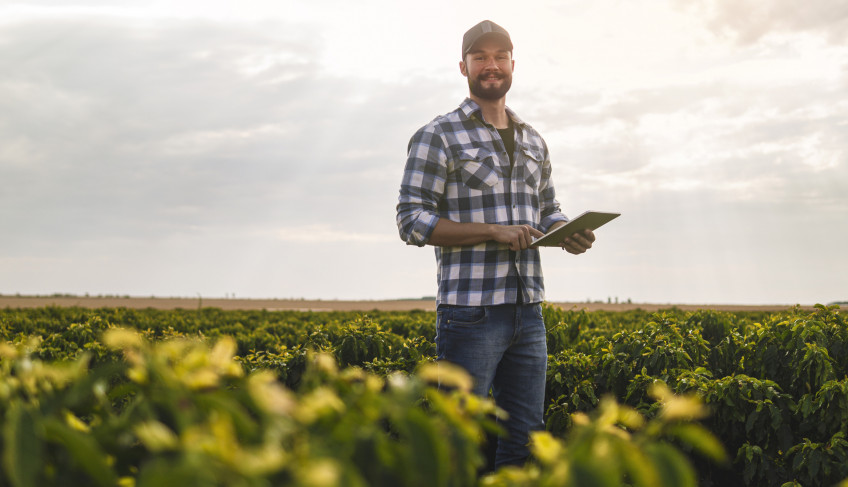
x=477, y=187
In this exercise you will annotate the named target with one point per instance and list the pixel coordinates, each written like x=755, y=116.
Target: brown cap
x=484, y=28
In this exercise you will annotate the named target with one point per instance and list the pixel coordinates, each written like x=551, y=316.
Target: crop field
x=205, y=396
x=425, y=304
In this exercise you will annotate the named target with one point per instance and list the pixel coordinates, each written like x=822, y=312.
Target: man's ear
x=463, y=69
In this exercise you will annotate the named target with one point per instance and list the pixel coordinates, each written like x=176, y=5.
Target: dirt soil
x=322, y=305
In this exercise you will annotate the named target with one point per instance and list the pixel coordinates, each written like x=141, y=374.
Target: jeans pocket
x=465, y=315
x=462, y=337
x=539, y=313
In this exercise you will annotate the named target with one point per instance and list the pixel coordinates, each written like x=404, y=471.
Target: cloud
x=121, y=128
x=774, y=141
x=748, y=21
x=170, y=150
x=322, y=233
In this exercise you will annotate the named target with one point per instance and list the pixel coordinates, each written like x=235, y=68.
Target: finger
x=573, y=248
x=520, y=239
x=535, y=233
x=523, y=236
x=590, y=235
x=581, y=241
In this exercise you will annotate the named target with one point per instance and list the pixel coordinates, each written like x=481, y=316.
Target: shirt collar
x=471, y=109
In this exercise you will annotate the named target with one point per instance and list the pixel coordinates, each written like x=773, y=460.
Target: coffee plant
x=123, y=397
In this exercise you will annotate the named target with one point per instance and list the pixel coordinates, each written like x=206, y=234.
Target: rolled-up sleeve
x=422, y=186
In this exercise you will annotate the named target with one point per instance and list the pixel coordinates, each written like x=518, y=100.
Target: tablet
x=589, y=219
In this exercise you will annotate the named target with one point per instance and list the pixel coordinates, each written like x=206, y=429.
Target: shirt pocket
x=533, y=167
x=476, y=169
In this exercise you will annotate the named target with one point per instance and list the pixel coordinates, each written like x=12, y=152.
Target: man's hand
x=579, y=242
x=518, y=237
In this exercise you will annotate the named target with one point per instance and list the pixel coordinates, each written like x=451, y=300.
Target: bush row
x=775, y=383
x=184, y=413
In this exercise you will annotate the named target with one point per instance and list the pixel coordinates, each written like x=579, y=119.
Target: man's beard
x=493, y=92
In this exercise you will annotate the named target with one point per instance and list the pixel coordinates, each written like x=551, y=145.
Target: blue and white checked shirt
x=457, y=168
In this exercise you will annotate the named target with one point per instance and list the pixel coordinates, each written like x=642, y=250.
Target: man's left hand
x=579, y=242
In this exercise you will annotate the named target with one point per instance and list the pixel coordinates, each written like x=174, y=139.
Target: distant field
x=322, y=305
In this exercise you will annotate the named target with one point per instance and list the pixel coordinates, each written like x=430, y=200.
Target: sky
x=255, y=148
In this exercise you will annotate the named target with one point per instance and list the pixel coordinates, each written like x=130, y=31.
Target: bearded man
x=477, y=186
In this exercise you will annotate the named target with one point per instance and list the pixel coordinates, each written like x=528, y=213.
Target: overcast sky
x=255, y=148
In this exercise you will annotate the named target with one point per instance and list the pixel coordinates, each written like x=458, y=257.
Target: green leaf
x=749, y=423
x=583, y=474
x=806, y=404
x=162, y=472
x=673, y=467
x=223, y=403
x=814, y=464
x=700, y=439
x=800, y=459
x=84, y=449
x=638, y=465
x=22, y=449
x=750, y=470
x=428, y=451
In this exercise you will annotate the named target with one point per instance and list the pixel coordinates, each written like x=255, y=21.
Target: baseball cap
x=486, y=27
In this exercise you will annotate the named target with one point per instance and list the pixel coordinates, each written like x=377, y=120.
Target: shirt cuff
x=422, y=229
x=548, y=221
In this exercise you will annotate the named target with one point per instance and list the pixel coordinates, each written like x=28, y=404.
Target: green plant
x=616, y=445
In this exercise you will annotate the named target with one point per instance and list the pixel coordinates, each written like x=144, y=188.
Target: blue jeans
x=504, y=349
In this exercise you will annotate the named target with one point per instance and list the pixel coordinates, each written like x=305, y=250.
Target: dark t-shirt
x=508, y=137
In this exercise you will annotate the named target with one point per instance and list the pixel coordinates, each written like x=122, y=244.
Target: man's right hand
x=518, y=237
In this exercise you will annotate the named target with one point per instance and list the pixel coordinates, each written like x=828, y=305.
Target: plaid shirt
x=457, y=168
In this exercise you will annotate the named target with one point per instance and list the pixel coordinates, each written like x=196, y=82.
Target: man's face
x=488, y=67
